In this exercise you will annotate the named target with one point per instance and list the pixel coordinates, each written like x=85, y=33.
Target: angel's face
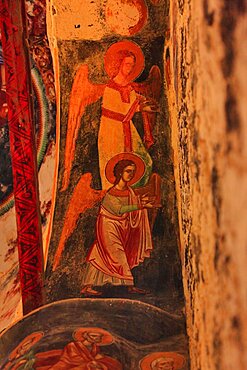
x=128, y=173
x=127, y=65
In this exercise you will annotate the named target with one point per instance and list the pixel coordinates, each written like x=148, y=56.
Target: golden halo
x=140, y=167
x=106, y=339
x=179, y=360
x=112, y=59
x=34, y=338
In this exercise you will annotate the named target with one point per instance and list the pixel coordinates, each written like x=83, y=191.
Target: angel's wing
x=151, y=89
x=82, y=94
x=77, y=205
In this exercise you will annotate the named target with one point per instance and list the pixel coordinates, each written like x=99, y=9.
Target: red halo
x=178, y=359
x=111, y=59
x=140, y=167
x=34, y=338
x=106, y=339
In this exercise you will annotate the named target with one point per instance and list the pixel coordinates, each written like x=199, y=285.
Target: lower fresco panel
x=96, y=334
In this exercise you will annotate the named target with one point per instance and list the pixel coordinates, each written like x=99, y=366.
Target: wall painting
x=113, y=261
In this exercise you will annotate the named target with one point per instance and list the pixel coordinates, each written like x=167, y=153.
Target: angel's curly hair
x=119, y=168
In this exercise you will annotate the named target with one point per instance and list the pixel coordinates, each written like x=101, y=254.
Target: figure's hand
x=148, y=205
x=96, y=366
x=149, y=105
x=149, y=202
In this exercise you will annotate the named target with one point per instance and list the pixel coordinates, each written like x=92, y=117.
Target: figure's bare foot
x=134, y=290
x=87, y=290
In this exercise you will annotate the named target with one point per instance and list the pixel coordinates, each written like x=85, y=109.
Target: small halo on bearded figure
x=163, y=361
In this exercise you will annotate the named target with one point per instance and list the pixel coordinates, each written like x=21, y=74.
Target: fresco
x=81, y=333
x=112, y=242
x=44, y=109
x=10, y=295
x=42, y=80
x=6, y=186
x=115, y=221
x=43, y=83
x=114, y=233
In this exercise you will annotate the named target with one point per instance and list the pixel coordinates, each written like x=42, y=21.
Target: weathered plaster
x=74, y=21
x=10, y=294
x=208, y=125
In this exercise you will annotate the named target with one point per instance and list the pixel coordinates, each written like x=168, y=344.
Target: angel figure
x=124, y=62
x=123, y=234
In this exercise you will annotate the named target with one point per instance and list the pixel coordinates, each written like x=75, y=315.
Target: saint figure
x=163, y=361
x=23, y=357
x=84, y=353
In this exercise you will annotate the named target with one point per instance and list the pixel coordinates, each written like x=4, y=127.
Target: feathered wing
x=150, y=89
x=83, y=198
x=82, y=94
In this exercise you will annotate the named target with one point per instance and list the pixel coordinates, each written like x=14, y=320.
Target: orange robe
x=77, y=356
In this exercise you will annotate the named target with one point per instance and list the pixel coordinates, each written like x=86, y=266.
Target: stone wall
x=206, y=58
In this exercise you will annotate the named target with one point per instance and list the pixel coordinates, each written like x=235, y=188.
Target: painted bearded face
x=93, y=337
x=163, y=364
x=128, y=173
x=25, y=347
x=127, y=66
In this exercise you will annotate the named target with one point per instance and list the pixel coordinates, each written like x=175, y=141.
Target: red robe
x=77, y=356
